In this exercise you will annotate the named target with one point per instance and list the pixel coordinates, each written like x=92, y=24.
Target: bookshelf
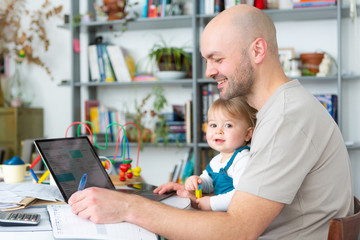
x=196, y=22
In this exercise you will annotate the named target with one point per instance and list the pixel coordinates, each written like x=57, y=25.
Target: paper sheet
x=12, y=194
x=67, y=225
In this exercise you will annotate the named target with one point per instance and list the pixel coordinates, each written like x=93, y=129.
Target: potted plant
x=162, y=130
x=172, y=62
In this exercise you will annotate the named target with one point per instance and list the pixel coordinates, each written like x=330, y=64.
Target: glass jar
x=19, y=96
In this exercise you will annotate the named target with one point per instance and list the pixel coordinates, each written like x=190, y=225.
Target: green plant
x=159, y=102
x=170, y=58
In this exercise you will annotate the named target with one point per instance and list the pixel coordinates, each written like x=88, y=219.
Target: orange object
x=311, y=61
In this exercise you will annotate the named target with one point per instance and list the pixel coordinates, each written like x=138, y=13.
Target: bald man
x=298, y=176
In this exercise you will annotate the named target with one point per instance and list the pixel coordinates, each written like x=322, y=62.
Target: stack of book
x=175, y=121
x=108, y=63
x=313, y=3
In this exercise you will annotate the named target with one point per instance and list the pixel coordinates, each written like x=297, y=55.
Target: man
x=298, y=176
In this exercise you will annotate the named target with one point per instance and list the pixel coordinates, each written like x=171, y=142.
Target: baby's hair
x=236, y=107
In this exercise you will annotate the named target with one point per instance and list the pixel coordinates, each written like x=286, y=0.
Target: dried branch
x=14, y=36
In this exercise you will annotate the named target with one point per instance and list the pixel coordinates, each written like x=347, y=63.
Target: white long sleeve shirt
x=221, y=202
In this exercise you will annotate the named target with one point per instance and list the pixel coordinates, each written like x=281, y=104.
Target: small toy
x=125, y=167
x=107, y=164
x=198, y=192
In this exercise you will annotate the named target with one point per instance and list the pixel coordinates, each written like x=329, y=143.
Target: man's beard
x=241, y=82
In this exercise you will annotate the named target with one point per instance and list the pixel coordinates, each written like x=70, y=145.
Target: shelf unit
x=195, y=21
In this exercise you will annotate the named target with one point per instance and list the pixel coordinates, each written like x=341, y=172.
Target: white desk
x=19, y=233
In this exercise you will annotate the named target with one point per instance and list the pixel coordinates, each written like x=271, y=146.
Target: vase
x=115, y=9
x=19, y=96
x=311, y=61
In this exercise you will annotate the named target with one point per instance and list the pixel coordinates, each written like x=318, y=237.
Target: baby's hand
x=191, y=184
x=204, y=203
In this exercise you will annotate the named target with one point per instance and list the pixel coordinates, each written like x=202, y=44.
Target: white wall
x=157, y=163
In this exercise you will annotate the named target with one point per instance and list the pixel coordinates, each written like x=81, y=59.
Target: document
x=19, y=195
x=68, y=225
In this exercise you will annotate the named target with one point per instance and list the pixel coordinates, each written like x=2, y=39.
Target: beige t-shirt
x=298, y=157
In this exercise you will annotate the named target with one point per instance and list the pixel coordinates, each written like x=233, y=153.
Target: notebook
x=69, y=158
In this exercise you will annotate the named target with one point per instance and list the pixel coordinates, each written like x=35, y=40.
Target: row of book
x=313, y=3
x=108, y=63
x=216, y=6
x=209, y=93
x=161, y=8
x=178, y=123
x=103, y=118
x=184, y=168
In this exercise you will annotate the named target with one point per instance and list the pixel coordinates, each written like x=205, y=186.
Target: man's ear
x=258, y=50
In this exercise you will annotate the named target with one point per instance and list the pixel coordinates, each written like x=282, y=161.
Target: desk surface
x=44, y=230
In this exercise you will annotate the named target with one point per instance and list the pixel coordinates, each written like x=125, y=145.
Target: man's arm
x=247, y=216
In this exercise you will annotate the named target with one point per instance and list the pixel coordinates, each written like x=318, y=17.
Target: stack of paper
x=17, y=196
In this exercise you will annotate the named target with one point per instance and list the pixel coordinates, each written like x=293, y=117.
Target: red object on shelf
x=260, y=4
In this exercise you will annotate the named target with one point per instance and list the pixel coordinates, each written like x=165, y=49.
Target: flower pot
x=115, y=9
x=311, y=61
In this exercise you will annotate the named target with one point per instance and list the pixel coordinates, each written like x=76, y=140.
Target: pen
x=82, y=182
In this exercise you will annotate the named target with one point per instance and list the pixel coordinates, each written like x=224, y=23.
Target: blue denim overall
x=221, y=181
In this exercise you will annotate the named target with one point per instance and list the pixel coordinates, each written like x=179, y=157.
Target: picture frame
x=285, y=56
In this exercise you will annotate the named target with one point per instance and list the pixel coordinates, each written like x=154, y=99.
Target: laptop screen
x=68, y=159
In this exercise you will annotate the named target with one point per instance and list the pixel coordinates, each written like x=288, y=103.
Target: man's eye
x=217, y=60
x=228, y=125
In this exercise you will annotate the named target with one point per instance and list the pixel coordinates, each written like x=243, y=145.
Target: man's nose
x=210, y=71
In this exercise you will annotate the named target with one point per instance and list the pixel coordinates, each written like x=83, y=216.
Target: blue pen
x=82, y=182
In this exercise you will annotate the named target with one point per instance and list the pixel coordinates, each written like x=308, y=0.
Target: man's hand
x=100, y=205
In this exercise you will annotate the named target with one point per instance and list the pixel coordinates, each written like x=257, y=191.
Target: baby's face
x=225, y=133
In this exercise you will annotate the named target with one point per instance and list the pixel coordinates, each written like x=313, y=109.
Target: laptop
x=69, y=158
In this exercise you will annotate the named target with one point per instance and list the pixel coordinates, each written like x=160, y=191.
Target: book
x=229, y=4
x=179, y=167
x=100, y=62
x=118, y=63
x=109, y=75
x=89, y=104
x=329, y=101
x=314, y=4
x=188, y=120
x=209, y=6
x=204, y=110
x=93, y=64
x=219, y=6
x=189, y=166
x=94, y=118
x=145, y=9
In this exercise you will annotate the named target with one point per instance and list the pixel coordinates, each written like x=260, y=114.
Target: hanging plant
x=14, y=36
